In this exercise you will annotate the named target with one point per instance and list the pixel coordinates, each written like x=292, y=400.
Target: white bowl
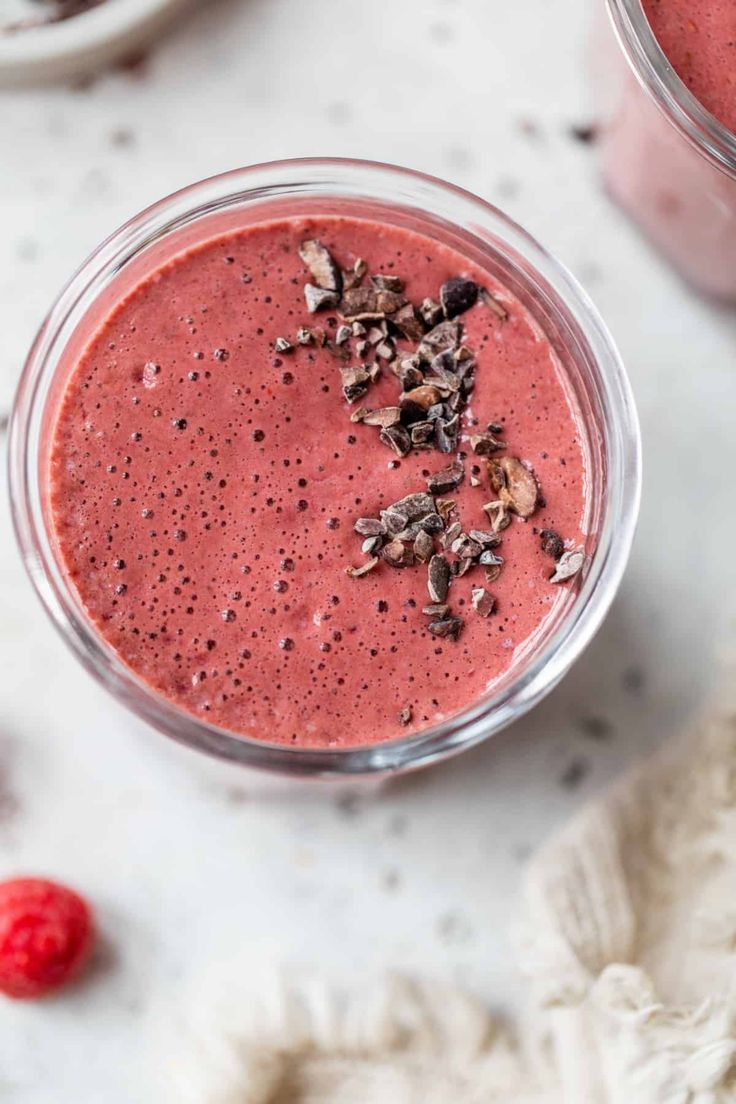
x=83, y=42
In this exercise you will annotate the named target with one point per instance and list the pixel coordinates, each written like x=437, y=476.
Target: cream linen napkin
x=629, y=944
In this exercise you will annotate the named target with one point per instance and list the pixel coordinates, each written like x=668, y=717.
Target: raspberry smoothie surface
x=269, y=471
x=699, y=39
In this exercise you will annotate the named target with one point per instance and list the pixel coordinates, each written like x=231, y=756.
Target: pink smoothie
x=699, y=39
x=205, y=485
x=684, y=201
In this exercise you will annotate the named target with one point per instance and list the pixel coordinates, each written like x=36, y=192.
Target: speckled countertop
x=186, y=860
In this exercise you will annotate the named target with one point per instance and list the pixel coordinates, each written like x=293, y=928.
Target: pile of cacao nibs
x=424, y=529
x=435, y=378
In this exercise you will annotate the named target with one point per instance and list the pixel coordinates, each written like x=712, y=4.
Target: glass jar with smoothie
x=325, y=467
x=667, y=88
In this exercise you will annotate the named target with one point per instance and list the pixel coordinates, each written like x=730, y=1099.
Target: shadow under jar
x=120, y=529
x=668, y=162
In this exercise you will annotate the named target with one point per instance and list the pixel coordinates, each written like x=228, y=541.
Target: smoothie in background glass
x=668, y=142
x=325, y=467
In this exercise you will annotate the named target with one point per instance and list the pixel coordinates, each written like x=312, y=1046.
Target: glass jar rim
x=653, y=70
x=412, y=190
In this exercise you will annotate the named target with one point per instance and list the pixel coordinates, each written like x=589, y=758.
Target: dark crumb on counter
x=348, y=805
x=633, y=679
x=585, y=133
x=574, y=773
x=397, y=825
x=391, y=880
x=595, y=728
x=530, y=129
x=454, y=927
x=236, y=796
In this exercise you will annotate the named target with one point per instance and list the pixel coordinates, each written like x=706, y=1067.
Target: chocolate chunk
x=447, y=479
x=321, y=265
x=515, y=485
x=384, y=416
x=465, y=548
x=319, y=298
x=356, y=572
x=387, y=283
x=443, y=376
x=408, y=323
x=369, y=527
x=488, y=559
x=431, y=312
x=398, y=554
x=452, y=533
x=438, y=578
x=445, y=434
x=352, y=277
x=416, y=505
x=458, y=295
x=485, y=443
x=552, y=543
x=444, y=336
x=493, y=304
x=372, y=545
x=498, y=515
x=394, y=520
x=483, y=602
x=396, y=438
x=432, y=523
x=568, y=565
x=355, y=383
x=282, y=345
x=485, y=538
x=438, y=610
x=421, y=433
x=376, y=334
x=405, y=716
x=367, y=303
x=447, y=627
x=423, y=546
x=409, y=375
x=416, y=403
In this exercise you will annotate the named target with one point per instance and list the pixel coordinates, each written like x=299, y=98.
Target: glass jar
x=668, y=162
x=597, y=386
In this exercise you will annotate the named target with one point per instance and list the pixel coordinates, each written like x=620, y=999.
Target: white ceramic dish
x=83, y=42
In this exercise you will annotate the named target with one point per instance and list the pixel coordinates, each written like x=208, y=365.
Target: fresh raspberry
x=46, y=933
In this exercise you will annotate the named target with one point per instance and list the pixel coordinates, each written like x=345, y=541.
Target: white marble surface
x=186, y=862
